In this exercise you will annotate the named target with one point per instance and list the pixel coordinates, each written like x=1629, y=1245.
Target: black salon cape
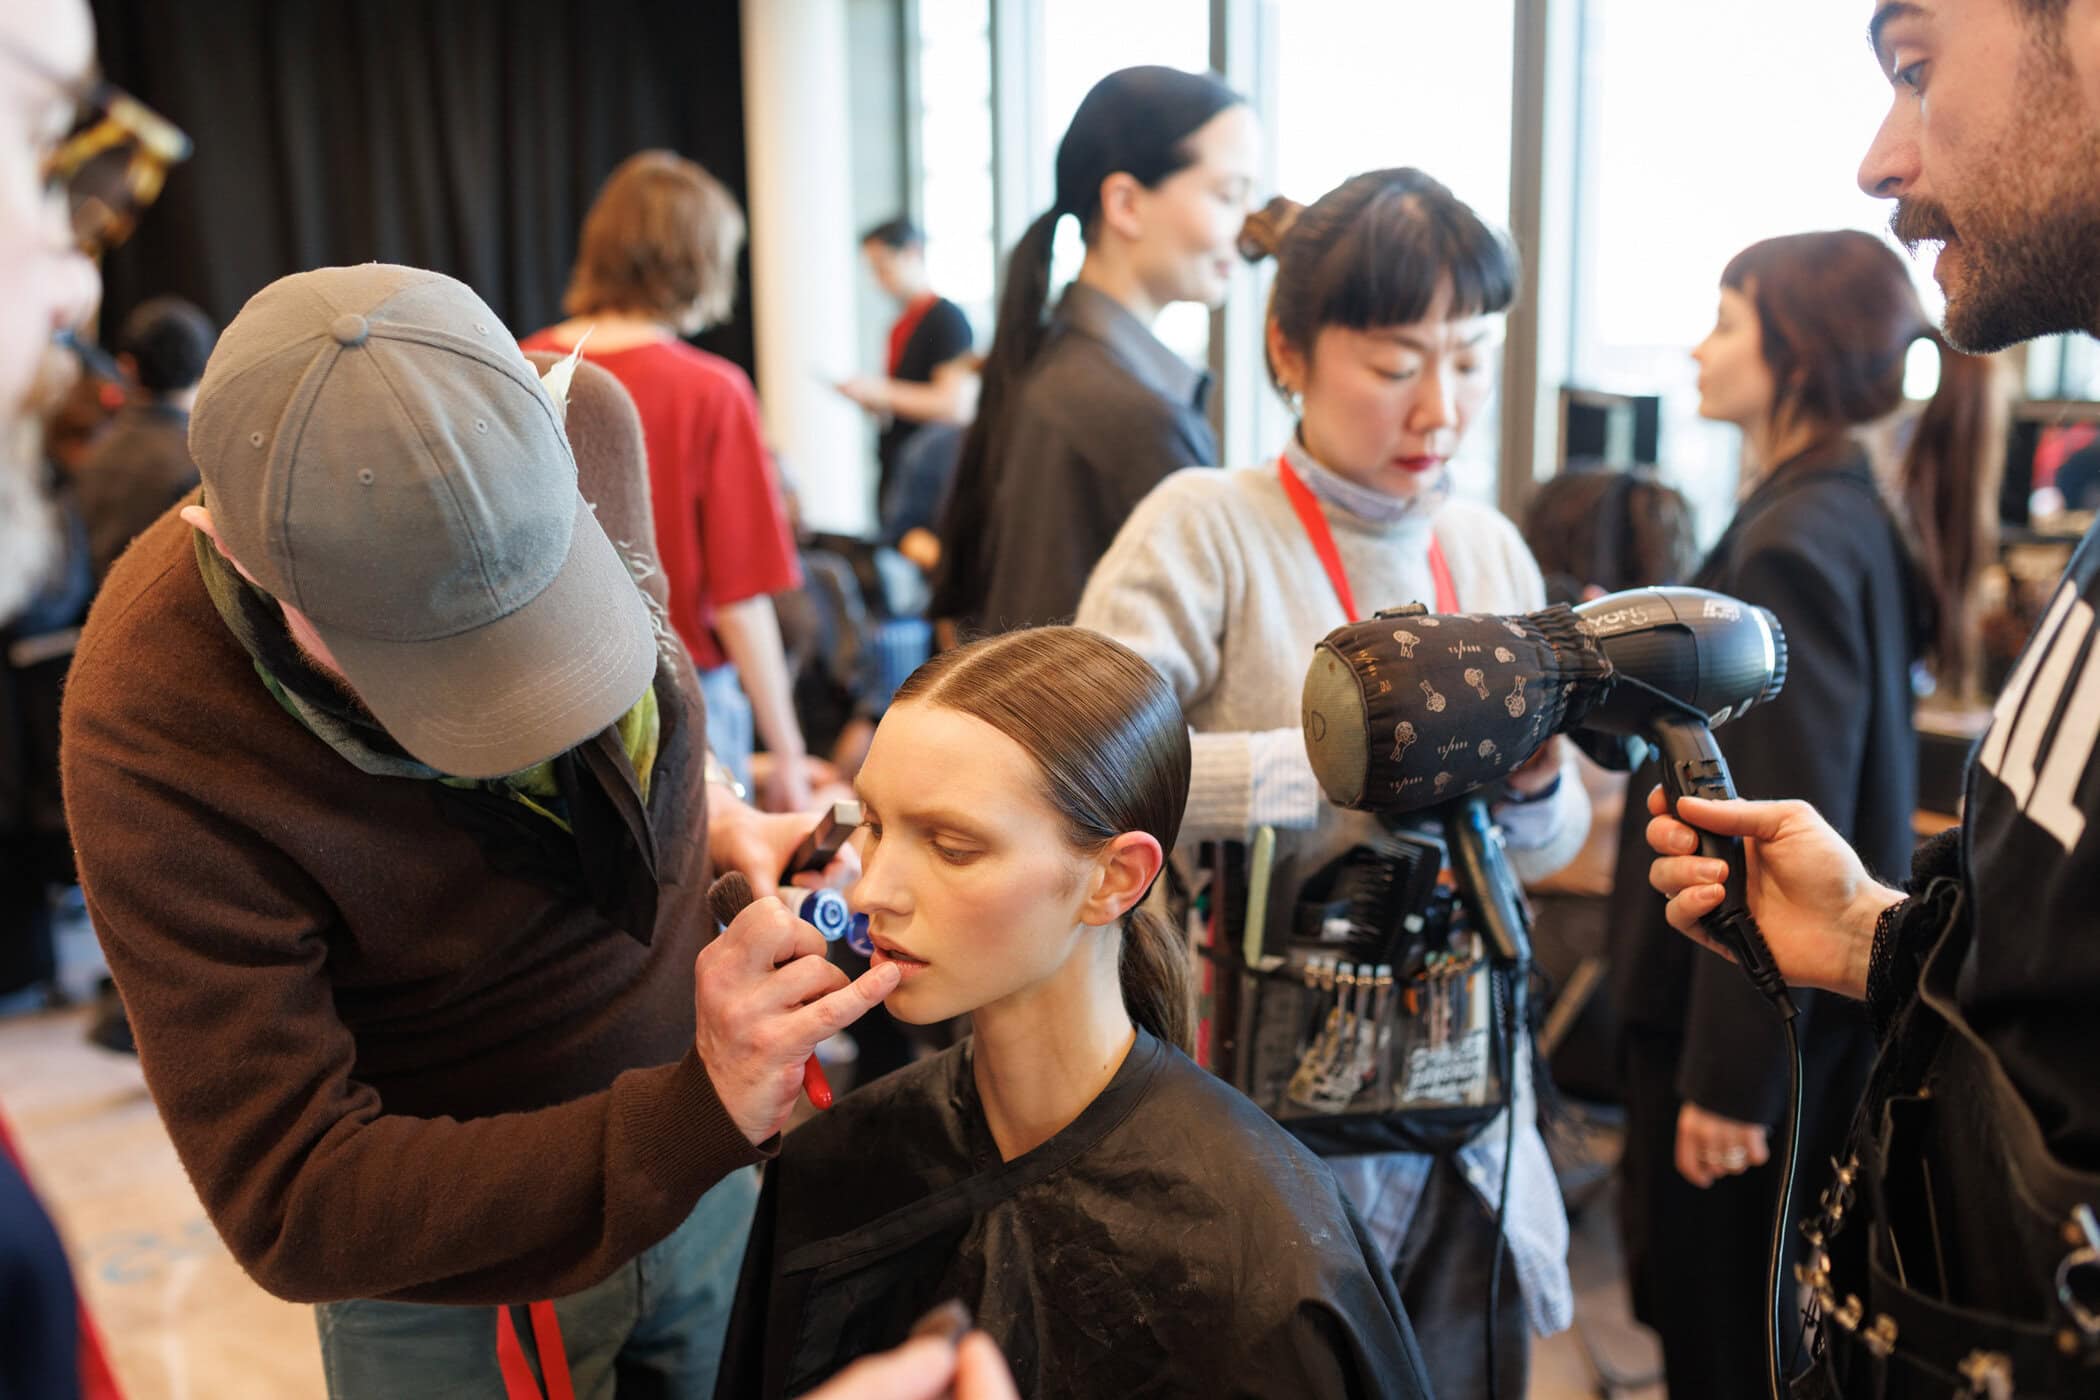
x=1172, y=1241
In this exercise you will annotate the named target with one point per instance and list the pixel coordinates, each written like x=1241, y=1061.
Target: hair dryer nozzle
x=1411, y=709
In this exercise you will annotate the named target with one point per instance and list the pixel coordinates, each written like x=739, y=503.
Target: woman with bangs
x=1809, y=347
x=1382, y=334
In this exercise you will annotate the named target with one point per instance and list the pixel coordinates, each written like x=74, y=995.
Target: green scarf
x=360, y=740
x=588, y=832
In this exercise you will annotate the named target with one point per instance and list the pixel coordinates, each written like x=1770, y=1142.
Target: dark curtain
x=462, y=135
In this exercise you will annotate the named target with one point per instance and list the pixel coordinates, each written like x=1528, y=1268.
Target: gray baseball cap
x=378, y=454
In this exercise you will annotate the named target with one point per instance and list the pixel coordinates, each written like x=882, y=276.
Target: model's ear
x=1287, y=360
x=1122, y=205
x=1123, y=870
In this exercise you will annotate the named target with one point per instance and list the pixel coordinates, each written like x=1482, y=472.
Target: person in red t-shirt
x=657, y=262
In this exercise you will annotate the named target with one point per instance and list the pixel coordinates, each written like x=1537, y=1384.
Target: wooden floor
x=184, y=1323
x=181, y=1320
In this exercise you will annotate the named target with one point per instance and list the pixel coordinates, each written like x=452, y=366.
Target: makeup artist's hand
x=927, y=1368
x=740, y=837
x=764, y=996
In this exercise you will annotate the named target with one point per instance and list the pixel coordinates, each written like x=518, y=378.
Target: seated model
x=1120, y=1221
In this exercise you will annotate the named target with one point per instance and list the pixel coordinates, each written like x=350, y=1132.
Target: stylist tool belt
x=1953, y=1254
x=1376, y=1018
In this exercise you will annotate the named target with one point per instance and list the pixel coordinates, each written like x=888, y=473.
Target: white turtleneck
x=1366, y=503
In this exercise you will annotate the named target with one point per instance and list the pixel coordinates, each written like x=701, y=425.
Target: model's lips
x=1418, y=465
x=888, y=952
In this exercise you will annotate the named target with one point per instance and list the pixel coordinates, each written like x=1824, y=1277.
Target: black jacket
x=1104, y=414
x=1816, y=545
x=1171, y=1241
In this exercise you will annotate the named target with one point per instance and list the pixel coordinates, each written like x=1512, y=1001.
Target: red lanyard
x=518, y=1380
x=1322, y=537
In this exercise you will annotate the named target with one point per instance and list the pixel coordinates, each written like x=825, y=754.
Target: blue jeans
x=661, y=1316
x=730, y=728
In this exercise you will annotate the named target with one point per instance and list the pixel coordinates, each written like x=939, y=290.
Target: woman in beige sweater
x=1382, y=333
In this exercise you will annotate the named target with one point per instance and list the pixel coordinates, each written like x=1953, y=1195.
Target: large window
x=2063, y=367
x=1690, y=154
x=954, y=132
x=1682, y=157
x=1346, y=100
x=1356, y=85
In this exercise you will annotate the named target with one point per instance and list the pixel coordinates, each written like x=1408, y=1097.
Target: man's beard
x=2028, y=242
x=2021, y=277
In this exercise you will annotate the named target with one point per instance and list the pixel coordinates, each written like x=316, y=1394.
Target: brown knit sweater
x=390, y=1071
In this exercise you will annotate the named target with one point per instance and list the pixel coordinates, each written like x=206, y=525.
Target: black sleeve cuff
x=1936, y=859
x=1903, y=936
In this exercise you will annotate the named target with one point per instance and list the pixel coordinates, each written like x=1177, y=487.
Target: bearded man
x=1956, y=1248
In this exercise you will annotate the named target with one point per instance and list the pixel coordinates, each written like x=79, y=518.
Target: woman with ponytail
x=1083, y=414
x=1383, y=334
x=1809, y=346
x=1117, y=1219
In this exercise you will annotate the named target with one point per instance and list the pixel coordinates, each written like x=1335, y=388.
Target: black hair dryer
x=1684, y=661
x=1409, y=710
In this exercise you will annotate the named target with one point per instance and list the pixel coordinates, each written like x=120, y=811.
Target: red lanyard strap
x=518, y=1381
x=1322, y=536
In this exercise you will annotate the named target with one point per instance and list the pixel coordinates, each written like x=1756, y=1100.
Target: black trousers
x=29, y=865
x=1696, y=1260
x=1442, y=1274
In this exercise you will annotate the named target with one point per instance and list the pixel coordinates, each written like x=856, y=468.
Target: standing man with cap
x=394, y=820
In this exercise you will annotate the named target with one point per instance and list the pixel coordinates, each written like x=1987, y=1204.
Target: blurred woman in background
x=657, y=263
x=1080, y=417
x=1808, y=347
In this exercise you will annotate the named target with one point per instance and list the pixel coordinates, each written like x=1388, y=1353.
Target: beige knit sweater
x=1213, y=581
